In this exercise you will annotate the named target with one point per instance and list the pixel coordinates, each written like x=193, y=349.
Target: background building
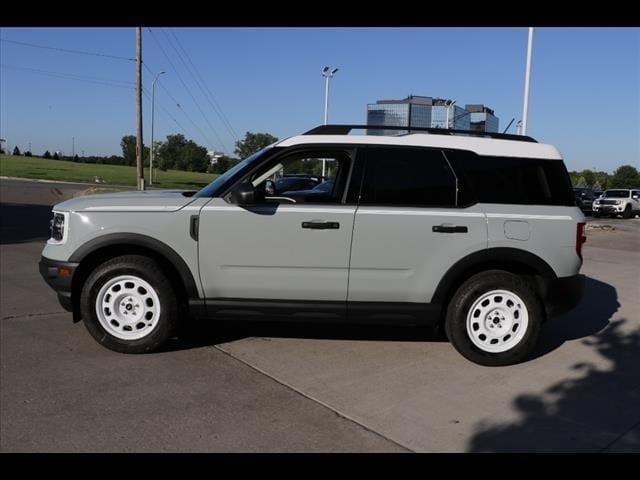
x=214, y=156
x=482, y=118
x=429, y=112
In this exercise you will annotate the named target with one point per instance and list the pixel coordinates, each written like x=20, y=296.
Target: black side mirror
x=245, y=194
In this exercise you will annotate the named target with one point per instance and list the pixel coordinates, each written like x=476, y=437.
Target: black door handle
x=321, y=225
x=193, y=227
x=450, y=229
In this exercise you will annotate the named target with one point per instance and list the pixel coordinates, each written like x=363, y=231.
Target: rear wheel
x=494, y=319
x=128, y=305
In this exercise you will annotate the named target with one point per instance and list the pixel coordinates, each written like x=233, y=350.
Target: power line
x=177, y=104
x=145, y=91
x=211, y=98
x=66, y=50
x=188, y=90
x=71, y=76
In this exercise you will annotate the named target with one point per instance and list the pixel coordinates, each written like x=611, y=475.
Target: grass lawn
x=44, y=169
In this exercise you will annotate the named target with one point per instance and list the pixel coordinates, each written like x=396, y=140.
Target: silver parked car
x=476, y=233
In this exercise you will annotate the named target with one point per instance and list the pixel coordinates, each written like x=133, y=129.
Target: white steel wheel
x=128, y=307
x=497, y=321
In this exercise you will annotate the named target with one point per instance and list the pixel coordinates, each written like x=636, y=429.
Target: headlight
x=57, y=225
x=618, y=202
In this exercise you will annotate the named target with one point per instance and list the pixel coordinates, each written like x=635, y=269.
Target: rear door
x=409, y=228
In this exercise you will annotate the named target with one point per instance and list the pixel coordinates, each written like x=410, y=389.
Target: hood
x=133, y=201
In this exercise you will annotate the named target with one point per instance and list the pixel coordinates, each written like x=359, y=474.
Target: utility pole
x=527, y=80
x=139, y=144
x=73, y=146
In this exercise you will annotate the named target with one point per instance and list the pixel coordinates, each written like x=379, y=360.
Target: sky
x=585, y=84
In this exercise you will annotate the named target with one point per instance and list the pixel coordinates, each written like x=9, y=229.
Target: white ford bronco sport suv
x=617, y=201
x=474, y=232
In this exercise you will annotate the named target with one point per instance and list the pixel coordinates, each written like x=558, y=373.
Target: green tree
x=16, y=150
x=195, y=157
x=55, y=156
x=223, y=164
x=46, y=154
x=252, y=143
x=128, y=144
x=626, y=176
x=589, y=177
x=169, y=153
x=28, y=154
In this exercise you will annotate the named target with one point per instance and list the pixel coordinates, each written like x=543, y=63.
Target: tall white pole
x=326, y=100
x=527, y=83
x=153, y=96
x=326, y=117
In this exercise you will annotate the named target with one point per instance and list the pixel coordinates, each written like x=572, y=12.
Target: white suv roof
x=479, y=145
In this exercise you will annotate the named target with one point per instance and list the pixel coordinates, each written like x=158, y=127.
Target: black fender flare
x=145, y=241
x=490, y=258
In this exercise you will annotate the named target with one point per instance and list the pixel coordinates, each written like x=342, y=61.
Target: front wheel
x=494, y=319
x=627, y=212
x=128, y=305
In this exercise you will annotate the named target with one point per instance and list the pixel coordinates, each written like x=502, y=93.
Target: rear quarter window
x=511, y=180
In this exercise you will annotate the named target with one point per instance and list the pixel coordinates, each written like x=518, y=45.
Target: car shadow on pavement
x=202, y=333
x=591, y=316
x=20, y=222
x=597, y=409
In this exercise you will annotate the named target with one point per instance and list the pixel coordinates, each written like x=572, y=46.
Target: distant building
x=429, y=112
x=214, y=156
x=482, y=118
x=416, y=111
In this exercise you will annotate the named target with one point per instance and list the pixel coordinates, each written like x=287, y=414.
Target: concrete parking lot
x=247, y=387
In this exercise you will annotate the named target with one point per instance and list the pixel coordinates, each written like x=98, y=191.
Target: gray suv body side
x=378, y=253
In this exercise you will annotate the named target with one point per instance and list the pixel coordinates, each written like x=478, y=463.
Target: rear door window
x=407, y=177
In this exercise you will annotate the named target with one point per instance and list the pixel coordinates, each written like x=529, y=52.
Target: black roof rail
x=346, y=129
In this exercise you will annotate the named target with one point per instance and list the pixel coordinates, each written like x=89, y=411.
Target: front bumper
x=563, y=294
x=609, y=208
x=59, y=276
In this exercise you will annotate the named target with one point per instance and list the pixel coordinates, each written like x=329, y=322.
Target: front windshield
x=211, y=189
x=616, y=193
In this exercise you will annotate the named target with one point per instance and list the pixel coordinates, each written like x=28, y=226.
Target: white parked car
x=625, y=202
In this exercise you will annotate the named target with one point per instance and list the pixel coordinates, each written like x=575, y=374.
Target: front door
x=294, y=245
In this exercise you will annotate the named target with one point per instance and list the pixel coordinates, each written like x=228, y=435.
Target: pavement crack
x=28, y=315
x=613, y=442
x=315, y=400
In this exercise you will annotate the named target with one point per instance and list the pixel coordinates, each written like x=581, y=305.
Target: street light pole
x=527, y=79
x=153, y=96
x=327, y=73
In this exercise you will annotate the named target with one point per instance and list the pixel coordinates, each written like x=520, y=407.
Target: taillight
x=580, y=238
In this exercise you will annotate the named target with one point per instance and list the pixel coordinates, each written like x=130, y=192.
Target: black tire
x=468, y=293
x=627, y=212
x=148, y=270
x=596, y=214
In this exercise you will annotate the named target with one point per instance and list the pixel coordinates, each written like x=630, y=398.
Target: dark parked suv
x=584, y=198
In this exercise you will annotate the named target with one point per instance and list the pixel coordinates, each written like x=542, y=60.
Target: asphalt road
x=312, y=388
